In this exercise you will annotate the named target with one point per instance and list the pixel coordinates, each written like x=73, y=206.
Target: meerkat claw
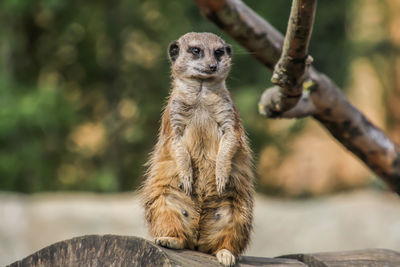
x=221, y=184
x=225, y=257
x=186, y=185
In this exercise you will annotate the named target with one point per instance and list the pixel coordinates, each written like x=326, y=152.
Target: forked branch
x=321, y=98
x=290, y=70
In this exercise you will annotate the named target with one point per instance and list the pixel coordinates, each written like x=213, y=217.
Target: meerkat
x=198, y=192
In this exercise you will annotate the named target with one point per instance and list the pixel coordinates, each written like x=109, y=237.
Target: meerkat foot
x=170, y=242
x=225, y=257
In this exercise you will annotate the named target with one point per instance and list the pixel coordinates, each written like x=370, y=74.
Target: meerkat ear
x=228, y=49
x=173, y=51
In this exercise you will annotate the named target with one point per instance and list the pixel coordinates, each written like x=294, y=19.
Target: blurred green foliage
x=82, y=84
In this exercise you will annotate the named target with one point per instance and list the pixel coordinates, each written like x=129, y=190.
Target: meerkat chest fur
x=200, y=109
x=203, y=112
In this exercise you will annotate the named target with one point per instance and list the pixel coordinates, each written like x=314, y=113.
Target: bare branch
x=327, y=104
x=303, y=108
x=289, y=72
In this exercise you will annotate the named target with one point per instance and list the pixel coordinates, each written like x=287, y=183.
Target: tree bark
x=321, y=98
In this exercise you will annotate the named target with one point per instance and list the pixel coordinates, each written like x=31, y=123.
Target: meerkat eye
x=195, y=51
x=219, y=53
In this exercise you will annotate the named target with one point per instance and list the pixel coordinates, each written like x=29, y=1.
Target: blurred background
x=82, y=85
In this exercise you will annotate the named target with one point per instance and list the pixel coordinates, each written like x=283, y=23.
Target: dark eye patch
x=219, y=53
x=195, y=51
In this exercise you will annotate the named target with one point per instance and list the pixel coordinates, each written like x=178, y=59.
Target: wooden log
x=113, y=250
x=358, y=258
x=94, y=250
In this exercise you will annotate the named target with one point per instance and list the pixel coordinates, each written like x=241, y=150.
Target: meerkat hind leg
x=170, y=242
x=225, y=257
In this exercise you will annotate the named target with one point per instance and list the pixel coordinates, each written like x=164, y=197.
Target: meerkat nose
x=212, y=67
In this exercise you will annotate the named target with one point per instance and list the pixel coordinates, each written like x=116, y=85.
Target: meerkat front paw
x=225, y=257
x=170, y=242
x=221, y=180
x=186, y=182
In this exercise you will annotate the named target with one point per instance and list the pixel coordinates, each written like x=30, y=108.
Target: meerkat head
x=203, y=56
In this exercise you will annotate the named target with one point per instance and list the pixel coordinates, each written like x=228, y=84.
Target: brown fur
x=199, y=188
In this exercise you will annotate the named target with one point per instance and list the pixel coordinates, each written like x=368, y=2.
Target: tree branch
x=289, y=72
x=273, y=96
x=325, y=102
